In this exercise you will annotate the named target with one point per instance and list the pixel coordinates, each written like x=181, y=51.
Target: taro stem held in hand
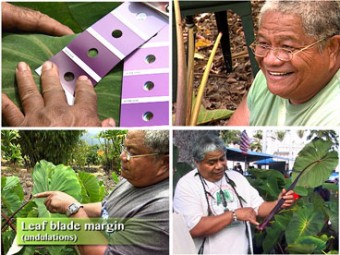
x=269, y=217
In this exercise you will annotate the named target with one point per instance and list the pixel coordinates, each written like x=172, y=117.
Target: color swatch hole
x=92, y=53
x=147, y=116
x=141, y=16
x=69, y=76
x=149, y=85
x=117, y=33
x=150, y=59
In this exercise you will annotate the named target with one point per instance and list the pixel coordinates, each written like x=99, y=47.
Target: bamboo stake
x=181, y=70
x=203, y=83
x=190, y=73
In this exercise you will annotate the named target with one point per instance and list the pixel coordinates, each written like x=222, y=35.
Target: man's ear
x=334, y=49
x=164, y=165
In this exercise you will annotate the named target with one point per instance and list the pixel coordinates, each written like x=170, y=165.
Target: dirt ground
x=224, y=90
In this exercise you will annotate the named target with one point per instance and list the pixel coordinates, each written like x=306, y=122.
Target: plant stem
x=18, y=210
x=277, y=207
x=181, y=70
x=204, y=80
x=190, y=73
x=9, y=221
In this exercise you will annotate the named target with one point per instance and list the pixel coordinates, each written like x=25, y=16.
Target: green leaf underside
x=90, y=188
x=48, y=177
x=323, y=159
x=206, y=116
x=12, y=194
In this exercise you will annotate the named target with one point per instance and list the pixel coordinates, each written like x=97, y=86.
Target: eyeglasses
x=130, y=156
x=283, y=54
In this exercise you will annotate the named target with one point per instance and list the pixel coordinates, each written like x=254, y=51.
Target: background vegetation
x=53, y=160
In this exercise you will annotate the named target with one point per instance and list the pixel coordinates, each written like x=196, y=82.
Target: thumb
x=109, y=122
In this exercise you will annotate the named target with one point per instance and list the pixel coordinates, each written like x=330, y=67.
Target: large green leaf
x=307, y=245
x=36, y=49
x=319, y=160
x=269, y=183
x=274, y=232
x=305, y=222
x=12, y=194
x=48, y=177
x=90, y=188
x=333, y=214
x=206, y=116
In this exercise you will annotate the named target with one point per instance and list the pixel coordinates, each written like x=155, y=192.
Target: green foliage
x=79, y=154
x=319, y=160
x=83, y=186
x=91, y=189
x=205, y=116
x=305, y=222
x=311, y=225
x=110, y=149
x=12, y=194
x=35, y=49
x=47, y=177
x=10, y=150
x=230, y=136
x=115, y=177
x=52, y=145
x=269, y=183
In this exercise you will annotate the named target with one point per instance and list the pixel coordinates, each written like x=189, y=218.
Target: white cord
x=250, y=237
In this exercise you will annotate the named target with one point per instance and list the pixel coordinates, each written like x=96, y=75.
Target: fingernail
x=85, y=78
x=22, y=66
x=111, y=122
x=47, y=65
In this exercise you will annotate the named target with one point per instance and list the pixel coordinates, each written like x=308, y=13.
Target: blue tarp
x=251, y=156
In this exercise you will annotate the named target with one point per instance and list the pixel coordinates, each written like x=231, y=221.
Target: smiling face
x=142, y=171
x=213, y=165
x=307, y=73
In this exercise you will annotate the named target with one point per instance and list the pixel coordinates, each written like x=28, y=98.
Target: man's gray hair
x=205, y=144
x=320, y=19
x=157, y=140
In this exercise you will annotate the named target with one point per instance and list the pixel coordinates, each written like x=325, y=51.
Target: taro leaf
x=305, y=222
x=7, y=238
x=301, y=248
x=35, y=50
x=318, y=242
x=269, y=183
x=274, y=232
x=58, y=10
x=301, y=191
x=90, y=188
x=319, y=161
x=87, y=13
x=333, y=214
x=48, y=177
x=12, y=194
x=205, y=116
x=307, y=245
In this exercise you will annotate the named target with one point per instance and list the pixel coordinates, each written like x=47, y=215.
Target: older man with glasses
x=142, y=195
x=298, y=51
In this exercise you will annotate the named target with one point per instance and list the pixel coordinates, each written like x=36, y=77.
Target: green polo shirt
x=267, y=109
